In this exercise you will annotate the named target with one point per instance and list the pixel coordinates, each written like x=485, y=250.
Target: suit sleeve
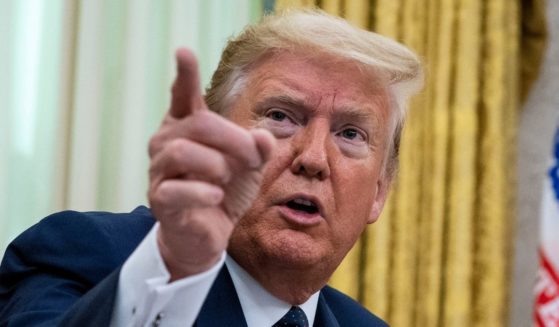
x=56, y=271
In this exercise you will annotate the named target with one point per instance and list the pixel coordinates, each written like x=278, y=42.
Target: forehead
x=316, y=80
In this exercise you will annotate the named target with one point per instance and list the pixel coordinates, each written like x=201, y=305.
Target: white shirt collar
x=259, y=306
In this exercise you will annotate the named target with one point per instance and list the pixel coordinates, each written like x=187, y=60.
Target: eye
x=352, y=134
x=280, y=122
x=277, y=115
x=349, y=134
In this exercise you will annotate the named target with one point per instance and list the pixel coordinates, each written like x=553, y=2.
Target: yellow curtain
x=440, y=254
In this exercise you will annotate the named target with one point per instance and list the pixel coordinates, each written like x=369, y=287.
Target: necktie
x=295, y=317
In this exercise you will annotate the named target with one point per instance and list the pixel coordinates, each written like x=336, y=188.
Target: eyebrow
x=354, y=114
x=282, y=100
x=347, y=112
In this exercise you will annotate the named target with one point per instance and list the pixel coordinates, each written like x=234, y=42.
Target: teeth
x=304, y=202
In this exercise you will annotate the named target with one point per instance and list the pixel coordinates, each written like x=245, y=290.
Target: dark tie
x=295, y=317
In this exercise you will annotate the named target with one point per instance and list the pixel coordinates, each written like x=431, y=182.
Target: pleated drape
x=440, y=254
x=124, y=66
x=83, y=85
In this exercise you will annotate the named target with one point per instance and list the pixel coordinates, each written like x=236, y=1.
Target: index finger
x=186, y=95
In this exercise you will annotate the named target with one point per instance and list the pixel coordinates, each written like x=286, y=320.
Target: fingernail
x=216, y=196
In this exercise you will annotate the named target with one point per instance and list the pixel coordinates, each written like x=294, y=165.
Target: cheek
x=355, y=190
x=278, y=164
x=354, y=213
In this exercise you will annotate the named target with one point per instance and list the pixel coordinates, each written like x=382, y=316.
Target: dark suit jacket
x=65, y=269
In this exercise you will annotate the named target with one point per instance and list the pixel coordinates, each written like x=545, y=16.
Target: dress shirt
x=259, y=306
x=144, y=294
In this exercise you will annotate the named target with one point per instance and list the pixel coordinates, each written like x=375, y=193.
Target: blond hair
x=314, y=31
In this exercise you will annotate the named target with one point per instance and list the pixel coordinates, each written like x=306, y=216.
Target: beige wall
x=537, y=125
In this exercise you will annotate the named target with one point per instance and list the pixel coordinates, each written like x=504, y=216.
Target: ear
x=382, y=188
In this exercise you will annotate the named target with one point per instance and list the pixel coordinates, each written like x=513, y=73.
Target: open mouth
x=303, y=205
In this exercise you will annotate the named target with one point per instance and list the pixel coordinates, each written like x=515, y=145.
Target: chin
x=294, y=249
x=268, y=240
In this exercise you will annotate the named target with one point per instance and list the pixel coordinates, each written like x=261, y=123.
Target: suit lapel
x=222, y=306
x=324, y=316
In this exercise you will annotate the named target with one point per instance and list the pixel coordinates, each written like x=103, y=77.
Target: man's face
x=325, y=181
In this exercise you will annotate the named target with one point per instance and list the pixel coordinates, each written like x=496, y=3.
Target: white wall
x=538, y=121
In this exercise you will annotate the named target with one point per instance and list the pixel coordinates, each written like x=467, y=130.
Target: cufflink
x=157, y=321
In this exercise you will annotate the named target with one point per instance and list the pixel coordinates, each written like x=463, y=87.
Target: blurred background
x=83, y=85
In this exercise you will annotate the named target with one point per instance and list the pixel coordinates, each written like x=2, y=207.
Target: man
x=285, y=178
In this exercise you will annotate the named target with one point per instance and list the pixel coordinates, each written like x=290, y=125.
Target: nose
x=311, y=152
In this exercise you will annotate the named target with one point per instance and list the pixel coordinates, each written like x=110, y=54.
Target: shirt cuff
x=145, y=296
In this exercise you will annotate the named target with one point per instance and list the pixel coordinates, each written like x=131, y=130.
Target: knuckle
x=195, y=125
x=177, y=149
x=154, y=144
x=161, y=199
x=153, y=172
x=154, y=198
x=204, y=123
x=159, y=193
x=155, y=179
x=220, y=168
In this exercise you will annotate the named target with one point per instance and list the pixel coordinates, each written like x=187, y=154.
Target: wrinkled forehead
x=313, y=78
x=278, y=60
